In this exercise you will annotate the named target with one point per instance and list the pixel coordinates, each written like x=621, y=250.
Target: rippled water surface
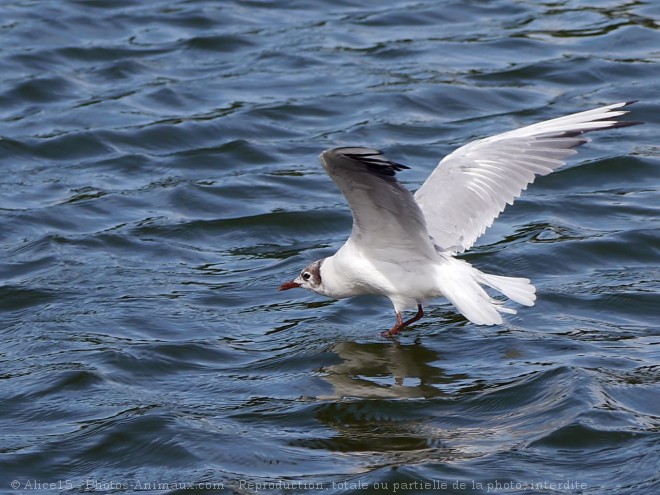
x=160, y=180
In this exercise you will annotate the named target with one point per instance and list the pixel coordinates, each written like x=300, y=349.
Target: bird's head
x=309, y=278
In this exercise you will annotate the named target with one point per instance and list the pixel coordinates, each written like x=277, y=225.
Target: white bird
x=403, y=246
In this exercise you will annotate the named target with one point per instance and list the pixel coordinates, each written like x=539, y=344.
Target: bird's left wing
x=386, y=217
x=471, y=186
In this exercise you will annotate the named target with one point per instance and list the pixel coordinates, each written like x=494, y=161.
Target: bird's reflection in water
x=399, y=404
x=388, y=370
x=388, y=400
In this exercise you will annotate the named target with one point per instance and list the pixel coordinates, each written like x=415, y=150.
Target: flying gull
x=403, y=246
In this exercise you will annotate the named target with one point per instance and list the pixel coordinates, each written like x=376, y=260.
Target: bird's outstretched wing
x=471, y=186
x=386, y=218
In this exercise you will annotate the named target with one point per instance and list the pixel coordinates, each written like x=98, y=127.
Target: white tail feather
x=519, y=290
x=460, y=283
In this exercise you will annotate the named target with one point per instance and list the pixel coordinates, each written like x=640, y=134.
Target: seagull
x=404, y=246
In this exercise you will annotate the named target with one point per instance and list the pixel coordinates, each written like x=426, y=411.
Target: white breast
x=351, y=272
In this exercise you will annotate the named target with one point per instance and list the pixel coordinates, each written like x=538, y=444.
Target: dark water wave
x=160, y=180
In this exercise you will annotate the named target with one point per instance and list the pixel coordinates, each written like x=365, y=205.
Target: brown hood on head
x=310, y=278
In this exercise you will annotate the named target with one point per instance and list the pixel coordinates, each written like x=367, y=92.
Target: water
x=160, y=180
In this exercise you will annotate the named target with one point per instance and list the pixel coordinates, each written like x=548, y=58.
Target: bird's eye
x=306, y=276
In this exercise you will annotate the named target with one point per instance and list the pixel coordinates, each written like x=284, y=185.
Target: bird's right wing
x=387, y=222
x=471, y=186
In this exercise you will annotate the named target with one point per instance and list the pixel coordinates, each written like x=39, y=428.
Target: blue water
x=160, y=180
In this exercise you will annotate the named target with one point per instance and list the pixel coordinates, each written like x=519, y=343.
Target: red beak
x=289, y=285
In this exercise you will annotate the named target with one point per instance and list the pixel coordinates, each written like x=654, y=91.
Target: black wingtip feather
x=615, y=125
x=375, y=162
x=625, y=123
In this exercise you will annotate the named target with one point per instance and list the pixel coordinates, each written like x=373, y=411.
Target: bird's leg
x=400, y=324
x=418, y=316
x=396, y=328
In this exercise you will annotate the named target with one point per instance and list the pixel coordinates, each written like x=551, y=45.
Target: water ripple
x=161, y=179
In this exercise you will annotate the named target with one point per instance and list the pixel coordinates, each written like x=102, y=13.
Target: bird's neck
x=339, y=276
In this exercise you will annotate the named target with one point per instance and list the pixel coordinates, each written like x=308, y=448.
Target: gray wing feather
x=386, y=217
x=471, y=186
